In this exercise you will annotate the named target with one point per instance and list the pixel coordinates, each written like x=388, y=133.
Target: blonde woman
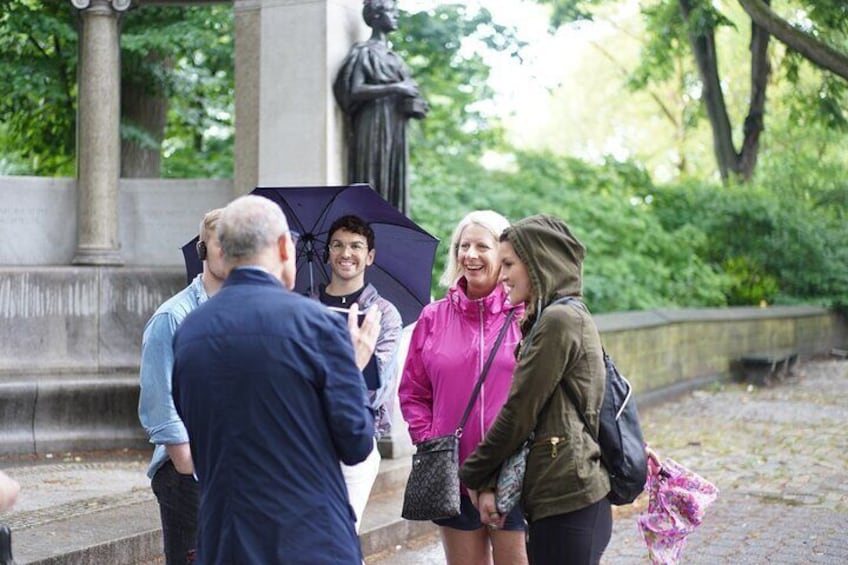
x=450, y=343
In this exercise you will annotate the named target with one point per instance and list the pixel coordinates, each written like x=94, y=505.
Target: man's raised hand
x=364, y=337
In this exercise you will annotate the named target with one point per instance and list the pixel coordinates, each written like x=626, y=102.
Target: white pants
x=359, y=479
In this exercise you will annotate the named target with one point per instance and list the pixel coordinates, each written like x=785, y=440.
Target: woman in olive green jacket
x=565, y=486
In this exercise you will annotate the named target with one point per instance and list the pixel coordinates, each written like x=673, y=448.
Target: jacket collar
x=199, y=290
x=250, y=275
x=496, y=302
x=368, y=297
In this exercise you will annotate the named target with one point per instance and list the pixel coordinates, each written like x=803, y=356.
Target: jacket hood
x=552, y=255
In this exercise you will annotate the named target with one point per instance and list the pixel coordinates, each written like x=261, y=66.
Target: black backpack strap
x=568, y=391
x=484, y=372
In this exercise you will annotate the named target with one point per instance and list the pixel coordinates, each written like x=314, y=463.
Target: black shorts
x=469, y=519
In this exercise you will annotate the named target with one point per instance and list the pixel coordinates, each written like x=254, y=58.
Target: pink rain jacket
x=449, y=346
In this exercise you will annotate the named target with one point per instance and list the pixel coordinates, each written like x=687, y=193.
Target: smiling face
x=477, y=254
x=349, y=255
x=514, y=274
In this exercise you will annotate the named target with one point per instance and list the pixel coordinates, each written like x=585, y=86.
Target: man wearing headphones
x=171, y=469
x=350, y=249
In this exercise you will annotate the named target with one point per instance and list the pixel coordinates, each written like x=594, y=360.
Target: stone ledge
x=77, y=319
x=121, y=536
x=619, y=321
x=70, y=414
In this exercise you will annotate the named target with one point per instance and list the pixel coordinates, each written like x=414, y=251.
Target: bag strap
x=568, y=391
x=484, y=372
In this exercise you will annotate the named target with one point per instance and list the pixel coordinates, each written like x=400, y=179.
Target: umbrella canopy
x=678, y=499
x=193, y=263
x=403, y=265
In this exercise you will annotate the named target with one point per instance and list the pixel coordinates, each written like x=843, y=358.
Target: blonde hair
x=489, y=220
x=209, y=223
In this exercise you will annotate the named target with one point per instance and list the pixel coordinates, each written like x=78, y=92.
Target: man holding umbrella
x=350, y=249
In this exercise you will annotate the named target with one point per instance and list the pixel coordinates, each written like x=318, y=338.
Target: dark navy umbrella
x=403, y=264
x=192, y=261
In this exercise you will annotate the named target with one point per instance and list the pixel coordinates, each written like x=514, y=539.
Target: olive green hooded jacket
x=561, y=348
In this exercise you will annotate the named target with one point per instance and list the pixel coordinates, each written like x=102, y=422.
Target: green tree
x=38, y=68
x=176, y=89
x=454, y=78
x=813, y=31
x=444, y=47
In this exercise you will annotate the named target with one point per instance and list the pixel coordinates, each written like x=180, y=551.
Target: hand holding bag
x=432, y=490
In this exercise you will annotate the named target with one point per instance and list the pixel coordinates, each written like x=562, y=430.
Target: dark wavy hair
x=353, y=224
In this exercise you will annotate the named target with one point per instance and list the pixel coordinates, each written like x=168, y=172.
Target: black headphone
x=201, y=250
x=326, y=255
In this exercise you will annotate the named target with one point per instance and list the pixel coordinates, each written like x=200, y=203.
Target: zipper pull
x=554, y=442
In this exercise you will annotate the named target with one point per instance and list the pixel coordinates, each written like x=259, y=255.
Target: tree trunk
x=754, y=125
x=812, y=49
x=144, y=115
x=704, y=49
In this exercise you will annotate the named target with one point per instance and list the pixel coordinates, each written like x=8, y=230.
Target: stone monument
x=375, y=90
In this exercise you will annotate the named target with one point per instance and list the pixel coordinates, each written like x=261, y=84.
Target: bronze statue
x=375, y=90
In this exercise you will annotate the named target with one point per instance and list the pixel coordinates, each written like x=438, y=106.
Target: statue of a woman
x=375, y=90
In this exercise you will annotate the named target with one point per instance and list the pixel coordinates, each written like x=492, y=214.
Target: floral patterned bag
x=678, y=499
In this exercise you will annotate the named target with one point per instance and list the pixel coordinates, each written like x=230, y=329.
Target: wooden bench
x=766, y=367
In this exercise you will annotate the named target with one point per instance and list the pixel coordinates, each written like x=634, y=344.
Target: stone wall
x=670, y=348
x=70, y=341
x=666, y=352
x=38, y=218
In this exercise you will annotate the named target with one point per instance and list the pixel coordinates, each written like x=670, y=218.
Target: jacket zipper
x=480, y=364
x=553, y=441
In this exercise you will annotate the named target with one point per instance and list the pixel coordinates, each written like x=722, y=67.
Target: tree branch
x=817, y=52
x=706, y=58
x=624, y=72
x=754, y=121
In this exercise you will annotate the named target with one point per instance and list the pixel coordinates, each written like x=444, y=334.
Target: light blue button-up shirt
x=156, y=409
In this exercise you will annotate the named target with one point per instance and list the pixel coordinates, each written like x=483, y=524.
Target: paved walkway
x=70, y=502
x=779, y=456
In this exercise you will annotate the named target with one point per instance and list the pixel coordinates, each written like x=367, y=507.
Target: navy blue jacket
x=267, y=386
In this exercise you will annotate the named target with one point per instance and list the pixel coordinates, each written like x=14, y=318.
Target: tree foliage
x=453, y=77
x=814, y=37
x=183, y=55
x=649, y=245
x=38, y=69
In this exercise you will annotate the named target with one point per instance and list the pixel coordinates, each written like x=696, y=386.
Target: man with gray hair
x=269, y=386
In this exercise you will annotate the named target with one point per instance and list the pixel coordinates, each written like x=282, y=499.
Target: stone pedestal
x=289, y=130
x=98, y=138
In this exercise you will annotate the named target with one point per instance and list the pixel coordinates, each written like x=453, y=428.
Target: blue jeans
x=179, y=500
